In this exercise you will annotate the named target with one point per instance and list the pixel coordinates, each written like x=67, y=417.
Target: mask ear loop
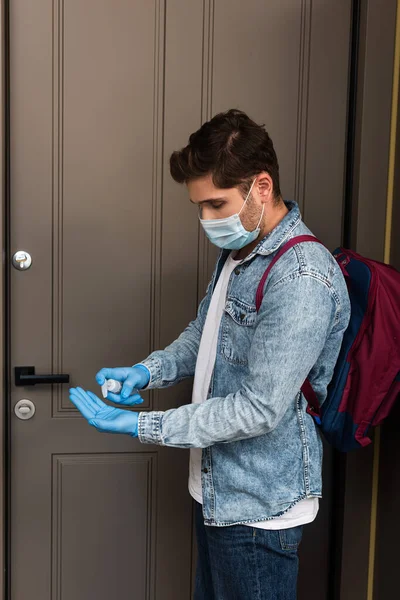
x=262, y=213
x=247, y=197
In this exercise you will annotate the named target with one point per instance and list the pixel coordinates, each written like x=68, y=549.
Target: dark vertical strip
x=351, y=122
x=339, y=459
x=337, y=524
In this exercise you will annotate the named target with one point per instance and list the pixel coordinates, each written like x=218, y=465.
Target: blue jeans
x=239, y=562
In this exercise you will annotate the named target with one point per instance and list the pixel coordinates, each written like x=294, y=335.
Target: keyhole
x=22, y=260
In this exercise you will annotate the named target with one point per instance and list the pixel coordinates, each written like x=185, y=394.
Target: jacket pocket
x=238, y=323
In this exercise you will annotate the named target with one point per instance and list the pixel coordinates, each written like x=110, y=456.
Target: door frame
x=4, y=379
x=356, y=474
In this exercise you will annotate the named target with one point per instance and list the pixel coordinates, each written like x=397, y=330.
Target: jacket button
x=242, y=316
x=237, y=271
x=205, y=470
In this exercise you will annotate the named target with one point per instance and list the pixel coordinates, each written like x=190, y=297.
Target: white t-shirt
x=301, y=513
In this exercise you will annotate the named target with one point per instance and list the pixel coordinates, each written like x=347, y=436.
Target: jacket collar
x=281, y=233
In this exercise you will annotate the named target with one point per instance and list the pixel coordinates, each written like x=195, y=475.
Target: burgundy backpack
x=366, y=379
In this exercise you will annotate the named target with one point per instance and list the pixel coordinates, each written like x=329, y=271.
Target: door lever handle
x=27, y=376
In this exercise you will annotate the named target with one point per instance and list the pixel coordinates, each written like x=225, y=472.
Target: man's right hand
x=133, y=379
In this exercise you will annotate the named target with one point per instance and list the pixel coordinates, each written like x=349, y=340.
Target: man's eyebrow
x=209, y=200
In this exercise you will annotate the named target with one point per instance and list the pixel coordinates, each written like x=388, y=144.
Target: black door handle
x=26, y=376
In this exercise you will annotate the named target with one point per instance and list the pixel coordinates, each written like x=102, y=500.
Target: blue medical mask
x=229, y=233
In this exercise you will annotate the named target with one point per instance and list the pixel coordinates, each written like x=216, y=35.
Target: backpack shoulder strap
x=313, y=407
x=292, y=242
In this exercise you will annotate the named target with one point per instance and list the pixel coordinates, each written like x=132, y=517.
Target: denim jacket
x=262, y=453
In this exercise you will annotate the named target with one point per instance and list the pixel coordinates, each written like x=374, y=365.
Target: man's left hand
x=105, y=418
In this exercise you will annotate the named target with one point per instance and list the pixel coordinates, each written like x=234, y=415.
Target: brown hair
x=232, y=148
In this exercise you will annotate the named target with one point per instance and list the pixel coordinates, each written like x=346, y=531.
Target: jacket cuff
x=149, y=427
x=153, y=365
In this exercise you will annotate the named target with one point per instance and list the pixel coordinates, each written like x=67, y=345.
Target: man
x=255, y=453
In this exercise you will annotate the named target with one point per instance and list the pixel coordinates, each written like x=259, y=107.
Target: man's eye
x=217, y=204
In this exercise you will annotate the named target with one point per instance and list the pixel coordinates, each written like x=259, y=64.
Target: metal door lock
x=22, y=260
x=24, y=409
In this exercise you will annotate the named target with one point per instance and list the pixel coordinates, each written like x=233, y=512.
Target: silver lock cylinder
x=22, y=260
x=24, y=409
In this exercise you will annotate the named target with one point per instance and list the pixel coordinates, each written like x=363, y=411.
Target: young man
x=255, y=453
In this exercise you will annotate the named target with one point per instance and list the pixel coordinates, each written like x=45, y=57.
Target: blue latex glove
x=105, y=418
x=136, y=377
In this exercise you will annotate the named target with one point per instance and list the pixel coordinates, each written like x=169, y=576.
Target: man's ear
x=265, y=186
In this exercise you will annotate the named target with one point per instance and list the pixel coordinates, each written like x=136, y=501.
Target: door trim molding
x=4, y=136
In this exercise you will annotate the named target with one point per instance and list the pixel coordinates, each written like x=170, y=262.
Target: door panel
x=101, y=93
x=90, y=512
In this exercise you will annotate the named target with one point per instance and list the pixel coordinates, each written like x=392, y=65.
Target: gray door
x=101, y=92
